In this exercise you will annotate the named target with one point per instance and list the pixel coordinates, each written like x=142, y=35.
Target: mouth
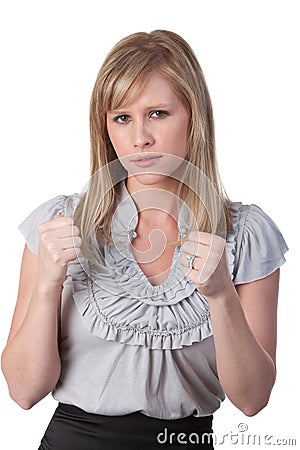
x=146, y=158
x=146, y=161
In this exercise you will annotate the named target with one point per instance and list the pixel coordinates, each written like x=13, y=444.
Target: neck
x=156, y=204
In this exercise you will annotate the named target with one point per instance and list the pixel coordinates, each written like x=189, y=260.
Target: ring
x=190, y=260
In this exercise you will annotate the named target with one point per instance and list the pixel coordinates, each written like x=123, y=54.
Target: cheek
x=110, y=133
x=180, y=139
x=118, y=142
x=115, y=138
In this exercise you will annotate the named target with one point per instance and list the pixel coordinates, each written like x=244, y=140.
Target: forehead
x=155, y=90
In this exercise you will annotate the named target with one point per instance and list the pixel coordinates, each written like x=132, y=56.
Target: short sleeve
x=45, y=212
x=261, y=247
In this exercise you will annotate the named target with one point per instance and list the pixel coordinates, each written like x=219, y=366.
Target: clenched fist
x=203, y=256
x=59, y=243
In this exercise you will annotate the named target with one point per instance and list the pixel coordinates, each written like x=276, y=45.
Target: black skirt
x=71, y=428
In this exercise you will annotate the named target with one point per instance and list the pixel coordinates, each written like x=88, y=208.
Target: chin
x=153, y=179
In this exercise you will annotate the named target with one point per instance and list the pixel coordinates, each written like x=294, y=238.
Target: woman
x=147, y=299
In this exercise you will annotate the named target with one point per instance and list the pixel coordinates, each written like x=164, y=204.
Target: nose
x=142, y=138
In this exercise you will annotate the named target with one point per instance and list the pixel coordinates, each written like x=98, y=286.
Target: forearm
x=246, y=371
x=30, y=361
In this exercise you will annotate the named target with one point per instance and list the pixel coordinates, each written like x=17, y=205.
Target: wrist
x=46, y=288
x=227, y=294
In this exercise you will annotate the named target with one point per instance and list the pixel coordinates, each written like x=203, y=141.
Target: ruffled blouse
x=127, y=345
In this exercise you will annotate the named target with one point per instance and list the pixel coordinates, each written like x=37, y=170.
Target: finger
x=58, y=222
x=55, y=246
x=206, y=242
x=65, y=231
x=62, y=219
x=193, y=248
x=58, y=233
x=63, y=257
x=201, y=236
x=191, y=274
x=203, y=268
x=70, y=254
x=70, y=242
x=201, y=276
x=196, y=263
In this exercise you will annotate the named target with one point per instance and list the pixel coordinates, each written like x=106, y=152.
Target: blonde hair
x=120, y=79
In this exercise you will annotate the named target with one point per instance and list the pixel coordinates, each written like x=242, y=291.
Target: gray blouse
x=127, y=345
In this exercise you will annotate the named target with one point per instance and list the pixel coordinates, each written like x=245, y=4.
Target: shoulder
x=258, y=246
x=61, y=204
x=251, y=220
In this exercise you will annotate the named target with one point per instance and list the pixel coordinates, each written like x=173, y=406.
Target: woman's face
x=150, y=135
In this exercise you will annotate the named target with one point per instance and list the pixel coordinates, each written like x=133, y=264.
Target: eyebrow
x=156, y=106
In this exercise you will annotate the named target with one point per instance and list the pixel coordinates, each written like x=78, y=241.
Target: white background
x=249, y=50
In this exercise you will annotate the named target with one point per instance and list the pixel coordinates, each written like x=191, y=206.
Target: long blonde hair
x=120, y=79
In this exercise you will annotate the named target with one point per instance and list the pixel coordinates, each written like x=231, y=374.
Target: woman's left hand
x=203, y=256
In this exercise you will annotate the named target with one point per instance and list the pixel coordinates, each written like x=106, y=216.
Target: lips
x=146, y=158
x=144, y=161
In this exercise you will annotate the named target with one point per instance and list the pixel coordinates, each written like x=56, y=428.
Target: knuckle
x=42, y=228
x=51, y=247
x=79, y=241
x=56, y=257
x=44, y=236
x=76, y=242
x=75, y=230
x=220, y=242
x=68, y=220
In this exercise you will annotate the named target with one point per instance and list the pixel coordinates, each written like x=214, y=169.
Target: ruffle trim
x=118, y=303
x=116, y=300
x=129, y=279
x=233, y=236
x=117, y=317
x=255, y=245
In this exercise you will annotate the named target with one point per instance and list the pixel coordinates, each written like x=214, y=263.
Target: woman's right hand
x=59, y=243
x=31, y=361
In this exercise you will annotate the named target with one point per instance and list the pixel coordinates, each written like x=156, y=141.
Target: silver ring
x=190, y=260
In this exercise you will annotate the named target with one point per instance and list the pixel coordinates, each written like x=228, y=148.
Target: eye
x=158, y=114
x=123, y=118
